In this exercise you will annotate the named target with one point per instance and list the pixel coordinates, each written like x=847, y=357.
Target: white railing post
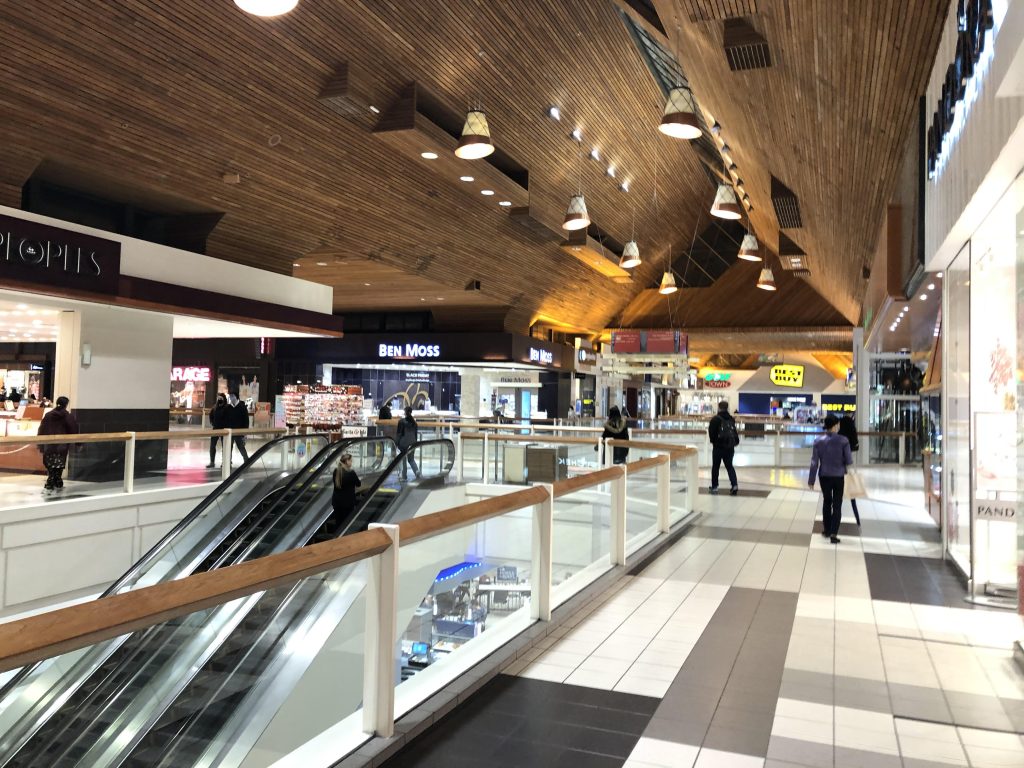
x=778, y=448
x=129, y=463
x=609, y=454
x=600, y=449
x=903, y=448
x=617, y=532
x=664, y=498
x=460, y=458
x=542, y=557
x=226, y=452
x=381, y=638
x=484, y=461
x=692, y=489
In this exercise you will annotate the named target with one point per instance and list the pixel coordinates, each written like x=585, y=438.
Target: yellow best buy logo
x=787, y=375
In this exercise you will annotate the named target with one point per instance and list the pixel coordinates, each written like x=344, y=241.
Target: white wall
x=989, y=152
x=131, y=359
x=63, y=550
x=192, y=270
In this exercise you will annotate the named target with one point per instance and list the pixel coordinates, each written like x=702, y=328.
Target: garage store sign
x=38, y=253
x=190, y=373
x=787, y=375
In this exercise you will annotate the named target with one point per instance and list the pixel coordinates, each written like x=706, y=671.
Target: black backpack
x=727, y=437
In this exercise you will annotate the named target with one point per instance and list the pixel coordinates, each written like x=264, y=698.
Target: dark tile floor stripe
x=906, y=579
x=515, y=721
x=782, y=538
x=748, y=493
x=845, y=529
x=725, y=695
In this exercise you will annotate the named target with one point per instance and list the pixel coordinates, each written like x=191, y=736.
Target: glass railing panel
x=185, y=458
x=641, y=507
x=472, y=460
x=581, y=540
x=541, y=460
x=88, y=469
x=462, y=594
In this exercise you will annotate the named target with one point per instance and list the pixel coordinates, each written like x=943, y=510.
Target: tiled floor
x=762, y=645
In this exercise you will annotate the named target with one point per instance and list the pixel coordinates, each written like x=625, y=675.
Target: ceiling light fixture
x=906, y=308
x=321, y=263
x=266, y=8
x=668, y=284
x=749, y=248
x=939, y=275
x=923, y=297
x=576, y=135
x=486, y=192
x=726, y=205
x=576, y=216
x=374, y=110
x=554, y=113
x=716, y=128
x=766, y=282
x=505, y=203
x=476, y=137
x=680, y=118
x=465, y=178
x=610, y=171
x=594, y=154
x=428, y=155
x=624, y=186
x=630, y=255
x=931, y=286
x=296, y=264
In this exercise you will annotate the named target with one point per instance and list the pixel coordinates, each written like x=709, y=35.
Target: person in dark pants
x=238, y=418
x=343, y=499
x=407, y=436
x=616, y=429
x=218, y=420
x=59, y=421
x=724, y=438
x=829, y=459
x=849, y=430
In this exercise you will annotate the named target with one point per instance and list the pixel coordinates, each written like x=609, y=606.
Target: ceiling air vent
x=787, y=207
x=745, y=47
x=791, y=255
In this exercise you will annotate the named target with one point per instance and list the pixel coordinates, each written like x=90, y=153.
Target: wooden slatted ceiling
x=831, y=116
x=706, y=10
x=173, y=95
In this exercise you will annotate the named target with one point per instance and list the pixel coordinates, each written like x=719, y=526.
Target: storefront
x=790, y=391
x=715, y=385
x=974, y=233
x=444, y=374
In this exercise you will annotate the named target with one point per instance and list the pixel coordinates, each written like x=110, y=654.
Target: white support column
x=778, y=449
x=485, y=461
x=226, y=454
x=903, y=449
x=692, y=490
x=460, y=459
x=664, y=497
x=542, y=557
x=129, y=463
x=617, y=534
x=381, y=638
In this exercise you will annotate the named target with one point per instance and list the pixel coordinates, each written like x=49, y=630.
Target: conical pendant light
x=766, y=282
x=749, y=248
x=476, y=137
x=576, y=216
x=680, y=118
x=668, y=283
x=630, y=255
x=726, y=206
x=266, y=8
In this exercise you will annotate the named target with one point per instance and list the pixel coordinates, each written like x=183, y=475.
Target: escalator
x=160, y=696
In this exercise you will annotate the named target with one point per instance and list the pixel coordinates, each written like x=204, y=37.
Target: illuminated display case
x=322, y=406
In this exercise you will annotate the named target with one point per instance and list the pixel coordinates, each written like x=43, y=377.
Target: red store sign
x=190, y=373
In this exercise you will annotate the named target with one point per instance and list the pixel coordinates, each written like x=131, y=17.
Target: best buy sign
x=787, y=375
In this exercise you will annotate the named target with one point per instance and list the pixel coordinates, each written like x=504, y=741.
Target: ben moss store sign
x=50, y=256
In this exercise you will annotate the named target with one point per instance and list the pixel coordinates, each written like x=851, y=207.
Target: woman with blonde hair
x=343, y=500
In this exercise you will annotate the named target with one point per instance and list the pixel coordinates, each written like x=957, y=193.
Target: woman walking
x=343, y=500
x=829, y=460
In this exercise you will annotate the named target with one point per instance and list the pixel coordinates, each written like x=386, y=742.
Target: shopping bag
x=855, y=486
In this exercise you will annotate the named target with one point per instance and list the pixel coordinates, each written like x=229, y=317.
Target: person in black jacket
x=616, y=429
x=218, y=420
x=59, y=421
x=849, y=430
x=407, y=437
x=724, y=438
x=238, y=418
x=343, y=499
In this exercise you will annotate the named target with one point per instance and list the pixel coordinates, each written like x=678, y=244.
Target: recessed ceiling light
x=321, y=263
x=487, y=192
x=624, y=186
x=576, y=135
x=505, y=203
x=906, y=308
x=939, y=275
x=23, y=306
x=296, y=264
x=428, y=155
x=931, y=286
x=595, y=154
x=554, y=113
x=374, y=110
x=366, y=284
x=422, y=299
x=465, y=178
x=440, y=298
x=923, y=296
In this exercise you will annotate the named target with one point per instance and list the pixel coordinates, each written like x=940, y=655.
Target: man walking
x=829, y=459
x=59, y=421
x=724, y=439
x=238, y=418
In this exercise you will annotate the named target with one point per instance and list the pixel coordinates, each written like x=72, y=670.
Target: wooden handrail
x=531, y=439
x=590, y=479
x=458, y=517
x=196, y=433
x=113, y=437
x=675, y=451
x=650, y=463
x=78, y=626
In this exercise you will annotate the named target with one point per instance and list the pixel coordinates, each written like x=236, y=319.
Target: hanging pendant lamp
x=766, y=282
x=668, y=284
x=266, y=8
x=630, y=255
x=576, y=216
x=749, y=248
x=726, y=206
x=476, y=137
x=680, y=118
